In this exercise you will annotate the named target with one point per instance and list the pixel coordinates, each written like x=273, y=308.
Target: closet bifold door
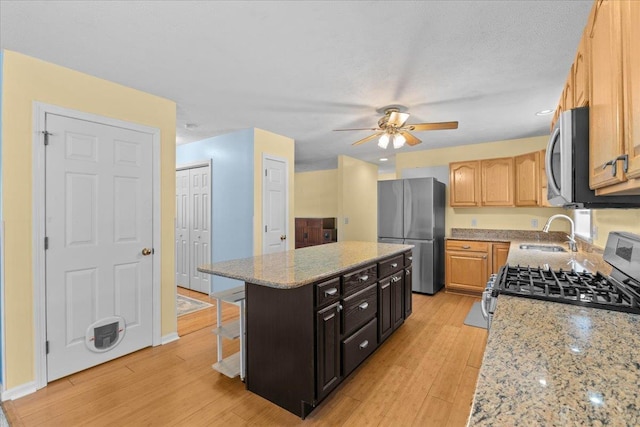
x=193, y=227
x=182, y=228
x=200, y=227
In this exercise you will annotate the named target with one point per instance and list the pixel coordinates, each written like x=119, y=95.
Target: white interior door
x=182, y=228
x=99, y=216
x=274, y=205
x=200, y=227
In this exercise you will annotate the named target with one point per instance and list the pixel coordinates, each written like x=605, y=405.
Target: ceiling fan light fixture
x=383, y=142
x=398, y=141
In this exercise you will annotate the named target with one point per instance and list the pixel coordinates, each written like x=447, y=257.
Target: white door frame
x=38, y=202
x=286, y=202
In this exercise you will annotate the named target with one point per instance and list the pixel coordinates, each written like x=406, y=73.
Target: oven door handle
x=484, y=303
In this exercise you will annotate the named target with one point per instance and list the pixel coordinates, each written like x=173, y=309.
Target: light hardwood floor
x=423, y=375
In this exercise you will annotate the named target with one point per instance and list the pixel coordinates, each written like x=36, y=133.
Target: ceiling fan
x=393, y=126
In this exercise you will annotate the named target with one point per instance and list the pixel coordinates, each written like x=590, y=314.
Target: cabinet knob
x=339, y=307
x=466, y=247
x=394, y=265
x=484, y=257
x=364, y=344
x=363, y=306
x=363, y=278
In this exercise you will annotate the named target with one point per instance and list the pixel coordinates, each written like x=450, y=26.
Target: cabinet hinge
x=46, y=346
x=265, y=172
x=46, y=243
x=265, y=228
x=46, y=137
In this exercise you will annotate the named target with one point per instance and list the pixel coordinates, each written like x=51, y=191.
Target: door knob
x=283, y=237
x=146, y=251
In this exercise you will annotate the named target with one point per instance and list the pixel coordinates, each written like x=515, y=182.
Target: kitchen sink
x=543, y=248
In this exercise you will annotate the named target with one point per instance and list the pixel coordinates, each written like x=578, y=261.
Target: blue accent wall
x=1, y=219
x=231, y=195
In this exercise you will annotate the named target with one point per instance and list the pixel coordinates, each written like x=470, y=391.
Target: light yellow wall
x=607, y=220
x=487, y=150
x=386, y=176
x=490, y=218
x=317, y=194
x=357, y=200
x=27, y=80
x=279, y=146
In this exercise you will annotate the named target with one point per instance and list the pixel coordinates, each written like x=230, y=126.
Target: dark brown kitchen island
x=314, y=314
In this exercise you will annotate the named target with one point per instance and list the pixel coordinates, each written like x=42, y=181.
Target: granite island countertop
x=556, y=364
x=295, y=268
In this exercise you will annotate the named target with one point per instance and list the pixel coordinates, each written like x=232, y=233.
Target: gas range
x=619, y=291
x=570, y=287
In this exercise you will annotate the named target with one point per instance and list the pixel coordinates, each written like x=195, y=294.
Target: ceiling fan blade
x=433, y=126
x=369, y=138
x=397, y=119
x=339, y=130
x=411, y=140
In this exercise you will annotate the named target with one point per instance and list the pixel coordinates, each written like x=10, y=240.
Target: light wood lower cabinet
x=499, y=254
x=469, y=264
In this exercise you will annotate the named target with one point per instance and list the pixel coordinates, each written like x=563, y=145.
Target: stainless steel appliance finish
x=567, y=166
x=411, y=211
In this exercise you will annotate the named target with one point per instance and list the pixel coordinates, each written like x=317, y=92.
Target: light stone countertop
x=295, y=268
x=552, y=364
x=580, y=261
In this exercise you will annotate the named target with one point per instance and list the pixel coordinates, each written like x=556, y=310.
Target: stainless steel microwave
x=567, y=166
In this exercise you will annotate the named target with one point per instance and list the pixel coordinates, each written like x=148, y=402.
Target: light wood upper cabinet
x=615, y=97
x=464, y=184
x=544, y=201
x=631, y=85
x=497, y=182
x=527, y=168
x=605, y=139
x=580, y=72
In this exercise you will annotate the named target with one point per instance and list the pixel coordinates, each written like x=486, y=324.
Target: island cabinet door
x=408, y=303
x=385, y=308
x=328, y=349
x=397, y=299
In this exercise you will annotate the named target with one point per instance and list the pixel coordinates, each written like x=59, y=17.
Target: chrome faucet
x=572, y=238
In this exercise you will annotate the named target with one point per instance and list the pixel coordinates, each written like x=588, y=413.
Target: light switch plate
x=346, y=220
x=474, y=222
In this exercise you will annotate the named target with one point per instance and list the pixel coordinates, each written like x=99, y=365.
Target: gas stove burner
x=570, y=287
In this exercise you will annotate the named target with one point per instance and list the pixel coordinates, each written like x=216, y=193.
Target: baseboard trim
x=20, y=391
x=166, y=339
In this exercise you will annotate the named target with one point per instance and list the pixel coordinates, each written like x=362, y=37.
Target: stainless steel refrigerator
x=411, y=211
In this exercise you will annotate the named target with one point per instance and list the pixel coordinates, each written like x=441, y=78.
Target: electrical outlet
x=474, y=222
x=346, y=220
x=534, y=223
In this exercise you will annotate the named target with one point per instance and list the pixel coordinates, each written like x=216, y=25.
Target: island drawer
x=408, y=259
x=392, y=265
x=359, y=346
x=360, y=279
x=328, y=292
x=359, y=308
x=467, y=245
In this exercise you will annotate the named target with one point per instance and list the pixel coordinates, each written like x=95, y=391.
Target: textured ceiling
x=301, y=69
